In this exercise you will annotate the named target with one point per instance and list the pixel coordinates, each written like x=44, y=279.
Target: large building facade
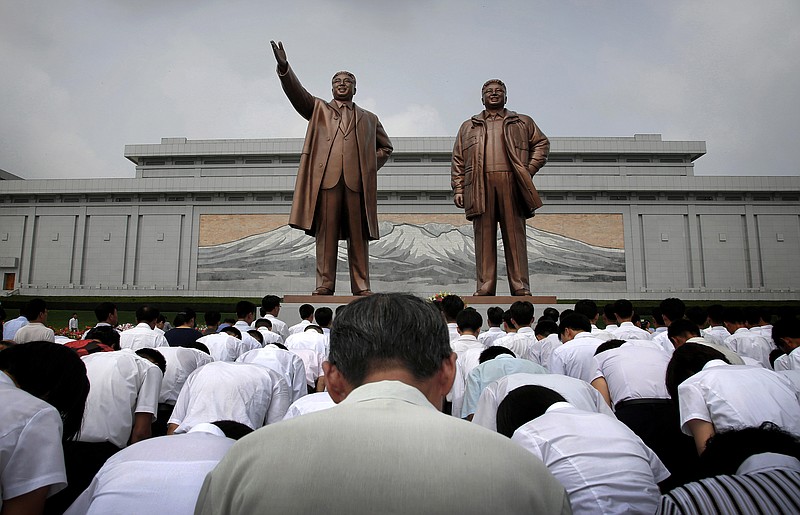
x=623, y=217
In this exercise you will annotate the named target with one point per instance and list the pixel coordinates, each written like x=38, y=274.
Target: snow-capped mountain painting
x=416, y=258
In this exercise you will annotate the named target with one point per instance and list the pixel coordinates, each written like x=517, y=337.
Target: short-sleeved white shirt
x=738, y=396
x=488, y=337
x=289, y=365
x=789, y=361
x=181, y=361
x=313, y=363
x=578, y=393
x=634, y=372
x=542, y=350
x=576, y=358
x=223, y=347
x=31, y=456
x=750, y=344
x=602, y=464
x=310, y=340
x=122, y=384
x=520, y=343
x=278, y=326
x=298, y=328
x=628, y=331
x=464, y=342
x=269, y=336
x=309, y=404
x=243, y=392
x=157, y=475
x=662, y=338
x=142, y=336
x=716, y=334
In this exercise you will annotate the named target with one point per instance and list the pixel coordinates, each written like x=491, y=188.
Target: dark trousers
x=82, y=461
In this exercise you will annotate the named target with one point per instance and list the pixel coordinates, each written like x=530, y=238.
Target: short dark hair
x=33, y=308
x=232, y=429
x=522, y=312
x=53, y=373
x=495, y=316
x=608, y=311
x=522, y=405
x=268, y=303
x=574, y=321
x=545, y=327
x=469, y=320
x=715, y=313
x=785, y=328
x=153, y=356
x=306, y=310
x=198, y=346
x=507, y=318
x=686, y=361
x=184, y=316
x=232, y=331
x=733, y=315
x=323, y=316
x=726, y=451
x=657, y=318
x=586, y=307
x=551, y=313
x=104, y=310
x=105, y=334
x=682, y=327
x=673, y=308
x=255, y=333
x=264, y=322
x=244, y=308
x=387, y=330
x=489, y=353
x=698, y=315
x=313, y=327
x=451, y=306
x=752, y=315
x=564, y=314
x=212, y=317
x=147, y=314
x=608, y=345
x=623, y=308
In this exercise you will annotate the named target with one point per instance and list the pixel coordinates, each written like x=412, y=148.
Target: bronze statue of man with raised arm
x=335, y=195
x=495, y=156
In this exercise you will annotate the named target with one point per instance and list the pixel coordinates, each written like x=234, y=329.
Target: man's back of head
x=245, y=308
x=323, y=316
x=147, y=314
x=587, y=308
x=105, y=311
x=522, y=312
x=494, y=316
x=451, y=305
x=672, y=309
x=623, y=309
x=269, y=303
x=306, y=312
x=34, y=309
x=469, y=321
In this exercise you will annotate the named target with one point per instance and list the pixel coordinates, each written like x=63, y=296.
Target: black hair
x=522, y=312
x=184, y=316
x=147, y=314
x=232, y=331
x=508, y=319
x=545, y=327
x=469, y=320
x=495, y=316
x=564, y=314
x=574, y=321
x=323, y=316
x=153, y=356
x=785, y=328
x=698, y=315
x=683, y=327
x=387, y=330
x=623, y=308
x=608, y=311
x=53, y=373
x=774, y=355
x=232, y=429
x=278, y=345
x=104, y=334
x=212, y=317
x=198, y=346
x=551, y=313
x=244, y=308
x=658, y=319
x=522, y=405
x=608, y=345
x=686, y=361
x=587, y=308
x=715, y=313
x=451, y=306
x=673, y=308
x=726, y=451
x=255, y=333
x=489, y=353
x=33, y=308
x=306, y=310
x=313, y=327
x=264, y=322
x=268, y=303
x=104, y=310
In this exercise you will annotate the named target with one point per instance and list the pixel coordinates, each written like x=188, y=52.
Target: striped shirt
x=774, y=490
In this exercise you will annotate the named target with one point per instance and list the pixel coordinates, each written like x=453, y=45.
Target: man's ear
x=447, y=373
x=338, y=387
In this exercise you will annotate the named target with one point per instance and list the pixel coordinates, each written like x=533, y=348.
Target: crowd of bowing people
x=698, y=413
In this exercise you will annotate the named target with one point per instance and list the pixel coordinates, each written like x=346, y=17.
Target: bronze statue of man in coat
x=335, y=195
x=495, y=156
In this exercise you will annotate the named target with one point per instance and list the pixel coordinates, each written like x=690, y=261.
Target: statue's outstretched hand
x=280, y=56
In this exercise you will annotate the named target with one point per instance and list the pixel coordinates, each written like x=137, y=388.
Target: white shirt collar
x=714, y=363
x=525, y=329
x=556, y=406
x=767, y=461
x=205, y=427
x=388, y=389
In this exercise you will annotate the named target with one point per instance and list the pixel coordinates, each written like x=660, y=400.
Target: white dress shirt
x=662, y=338
x=31, y=456
x=749, y=344
x=246, y=393
x=288, y=365
x=142, y=336
x=738, y=396
x=602, y=333
x=492, y=370
x=789, y=361
x=312, y=360
x=542, y=350
x=157, y=475
x=311, y=403
x=298, y=328
x=248, y=342
x=576, y=357
x=488, y=337
x=122, y=384
x=278, y=326
x=578, y=393
x=310, y=340
x=520, y=343
x=465, y=342
x=181, y=361
x=602, y=464
x=269, y=336
x=716, y=334
x=452, y=329
x=634, y=372
x=628, y=331
x=223, y=347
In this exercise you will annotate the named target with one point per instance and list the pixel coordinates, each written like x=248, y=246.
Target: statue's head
x=343, y=85
x=493, y=94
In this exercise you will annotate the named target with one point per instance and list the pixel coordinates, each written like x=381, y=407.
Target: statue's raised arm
x=280, y=56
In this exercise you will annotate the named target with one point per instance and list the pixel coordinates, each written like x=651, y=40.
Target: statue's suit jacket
x=374, y=148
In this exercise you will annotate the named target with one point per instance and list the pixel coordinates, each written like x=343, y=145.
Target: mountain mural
x=408, y=257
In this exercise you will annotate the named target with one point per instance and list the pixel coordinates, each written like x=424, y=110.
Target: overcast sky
x=81, y=79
